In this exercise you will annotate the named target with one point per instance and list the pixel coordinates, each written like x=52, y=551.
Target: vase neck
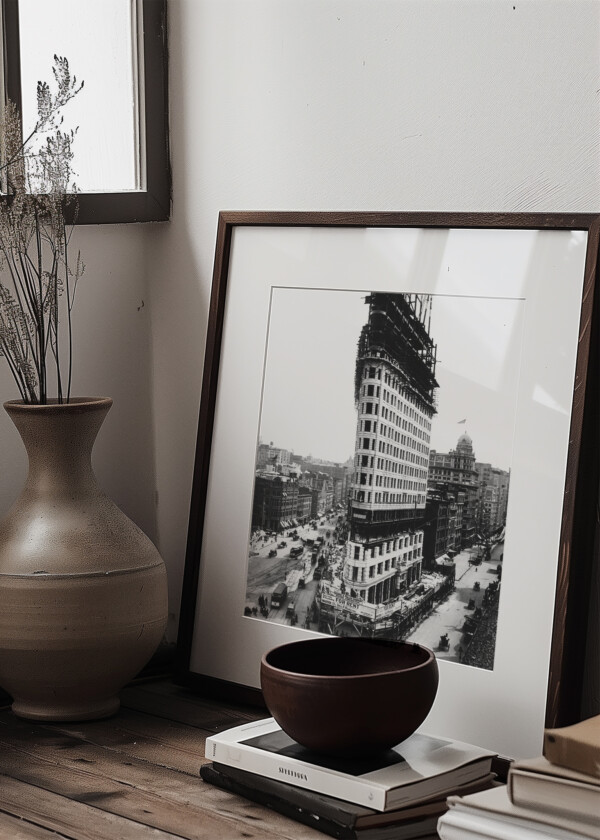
x=59, y=440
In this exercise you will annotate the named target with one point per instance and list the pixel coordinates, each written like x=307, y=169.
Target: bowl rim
x=296, y=674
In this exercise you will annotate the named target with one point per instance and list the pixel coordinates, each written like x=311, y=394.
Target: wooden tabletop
x=130, y=777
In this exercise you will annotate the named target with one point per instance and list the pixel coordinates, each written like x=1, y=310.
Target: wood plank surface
x=15, y=828
x=55, y=816
x=158, y=741
x=167, y=701
x=83, y=759
x=135, y=775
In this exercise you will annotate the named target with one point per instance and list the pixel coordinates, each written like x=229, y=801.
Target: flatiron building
x=395, y=388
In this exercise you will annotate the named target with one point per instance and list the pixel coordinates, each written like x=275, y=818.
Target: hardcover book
x=576, y=746
x=537, y=783
x=325, y=813
x=491, y=815
x=419, y=768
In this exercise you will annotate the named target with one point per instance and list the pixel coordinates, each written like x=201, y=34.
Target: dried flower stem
x=37, y=284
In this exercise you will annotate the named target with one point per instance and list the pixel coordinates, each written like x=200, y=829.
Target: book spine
x=339, y=811
x=560, y=798
x=295, y=773
x=288, y=809
x=449, y=828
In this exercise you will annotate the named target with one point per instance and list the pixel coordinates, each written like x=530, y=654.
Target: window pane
x=99, y=39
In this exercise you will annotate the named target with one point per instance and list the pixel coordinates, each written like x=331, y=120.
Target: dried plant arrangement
x=38, y=279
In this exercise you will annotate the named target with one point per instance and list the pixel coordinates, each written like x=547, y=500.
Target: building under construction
x=395, y=389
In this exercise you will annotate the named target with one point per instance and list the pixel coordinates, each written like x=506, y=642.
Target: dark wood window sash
x=153, y=204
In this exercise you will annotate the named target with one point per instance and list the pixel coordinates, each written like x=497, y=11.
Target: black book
x=336, y=817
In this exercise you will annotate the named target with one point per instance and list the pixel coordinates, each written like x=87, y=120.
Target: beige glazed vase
x=83, y=593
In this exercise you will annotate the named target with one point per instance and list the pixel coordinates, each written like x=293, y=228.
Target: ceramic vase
x=83, y=590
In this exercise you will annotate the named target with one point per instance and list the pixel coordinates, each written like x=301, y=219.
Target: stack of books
x=555, y=795
x=398, y=794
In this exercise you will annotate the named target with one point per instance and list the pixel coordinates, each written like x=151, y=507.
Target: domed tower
x=454, y=472
x=465, y=444
x=464, y=459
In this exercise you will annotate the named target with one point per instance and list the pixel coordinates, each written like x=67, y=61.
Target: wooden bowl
x=349, y=696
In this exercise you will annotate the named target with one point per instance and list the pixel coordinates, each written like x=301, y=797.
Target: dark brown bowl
x=349, y=696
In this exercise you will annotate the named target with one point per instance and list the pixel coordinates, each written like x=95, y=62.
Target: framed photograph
x=392, y=421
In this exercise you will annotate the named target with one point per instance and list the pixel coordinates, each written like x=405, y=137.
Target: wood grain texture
x=31, y=812
x=573, y=612
x=135, y=775
x=176, y=704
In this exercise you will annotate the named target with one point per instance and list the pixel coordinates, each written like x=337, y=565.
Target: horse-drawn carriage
x=444, y=643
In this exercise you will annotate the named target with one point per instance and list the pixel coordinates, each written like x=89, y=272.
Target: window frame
x=153, y=203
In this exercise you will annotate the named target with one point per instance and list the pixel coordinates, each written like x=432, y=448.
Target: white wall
x=353, y=105
x=112, y=358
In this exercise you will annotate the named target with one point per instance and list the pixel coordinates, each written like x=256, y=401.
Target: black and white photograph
x=388, y=420
x=383, y=466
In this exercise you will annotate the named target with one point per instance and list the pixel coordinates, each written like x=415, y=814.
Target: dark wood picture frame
x=578, y=531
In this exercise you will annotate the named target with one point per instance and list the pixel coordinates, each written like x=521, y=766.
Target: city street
x=265, y=572
x=449, y=616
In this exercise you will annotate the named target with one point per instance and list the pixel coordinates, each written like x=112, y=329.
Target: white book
x=490, y=814
x=420, y=768
x=536, y=783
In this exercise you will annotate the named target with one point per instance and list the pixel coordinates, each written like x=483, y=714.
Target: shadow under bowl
x=349, y=696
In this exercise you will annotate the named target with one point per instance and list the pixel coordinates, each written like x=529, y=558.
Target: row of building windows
x=357, y=574
x=385, y=498
x=444, y=475
x=370, y=426
x=395, y=437
x=402, y=541
x=406, y=499
x=368, y=407
x=399, y=483
x=418, y=441
x=369, y=444
x=450, y=460
x=358, y=567
x=366, y=479
x=392, y=466
x=360, y=574
x=401, y=398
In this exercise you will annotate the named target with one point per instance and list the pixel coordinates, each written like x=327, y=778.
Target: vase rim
x=54, y=406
